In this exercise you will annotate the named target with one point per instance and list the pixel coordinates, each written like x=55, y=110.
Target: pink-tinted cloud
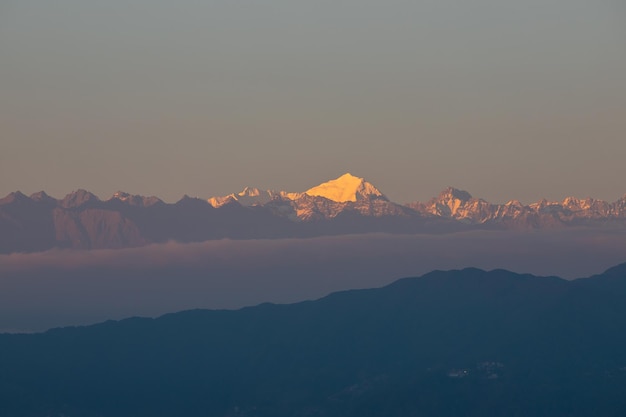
x=61, y=287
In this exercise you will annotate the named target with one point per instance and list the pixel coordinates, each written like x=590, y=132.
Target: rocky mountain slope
x=344, y=205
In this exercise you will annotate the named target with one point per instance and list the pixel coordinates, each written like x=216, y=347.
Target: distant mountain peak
x=249, y=196
x=41, y=196
x=454, y=193
x=220, y=201
x=121, y=195
x=135, y=200
x=250, y=192
x=13, y=197
x=191, y=202
x=343, y=189
x=514, y=203
x=346, y=188
x=78, y=198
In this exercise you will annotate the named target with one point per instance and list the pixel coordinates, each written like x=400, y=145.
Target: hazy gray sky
x=507, y=99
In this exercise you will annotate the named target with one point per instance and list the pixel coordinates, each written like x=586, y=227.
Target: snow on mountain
x=324, y=201
x=220, y=201
x=135, y=200
x=250, y=196
x=347, y=204
x=346, y=188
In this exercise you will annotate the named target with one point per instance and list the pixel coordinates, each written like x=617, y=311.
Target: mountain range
x=450, y=343
x=345, y=205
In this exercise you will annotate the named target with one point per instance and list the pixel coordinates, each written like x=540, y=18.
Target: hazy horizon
x=204, y=197
x=173, y=200
x=505, y=99
x=69, y=287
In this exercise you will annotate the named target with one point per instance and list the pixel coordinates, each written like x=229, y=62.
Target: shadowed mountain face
x=467, y=342
x=345, y=205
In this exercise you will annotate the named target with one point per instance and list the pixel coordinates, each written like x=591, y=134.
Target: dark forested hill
x=457, y=343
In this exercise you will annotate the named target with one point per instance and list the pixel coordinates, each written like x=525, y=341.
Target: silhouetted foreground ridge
x=457, y=343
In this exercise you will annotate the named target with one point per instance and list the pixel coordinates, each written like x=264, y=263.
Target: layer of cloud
x=63, y=287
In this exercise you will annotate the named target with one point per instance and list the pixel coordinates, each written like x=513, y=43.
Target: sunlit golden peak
x=345, y=188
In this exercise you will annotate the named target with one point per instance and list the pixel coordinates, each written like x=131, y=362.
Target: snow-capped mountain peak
x=135, y=200
x=346, y=188
x=451, y=193
x=249, y=196
x=251, y=192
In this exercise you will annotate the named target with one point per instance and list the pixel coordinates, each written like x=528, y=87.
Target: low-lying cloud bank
x=63, y=287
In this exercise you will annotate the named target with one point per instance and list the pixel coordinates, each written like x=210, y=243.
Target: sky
x=506, y=99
